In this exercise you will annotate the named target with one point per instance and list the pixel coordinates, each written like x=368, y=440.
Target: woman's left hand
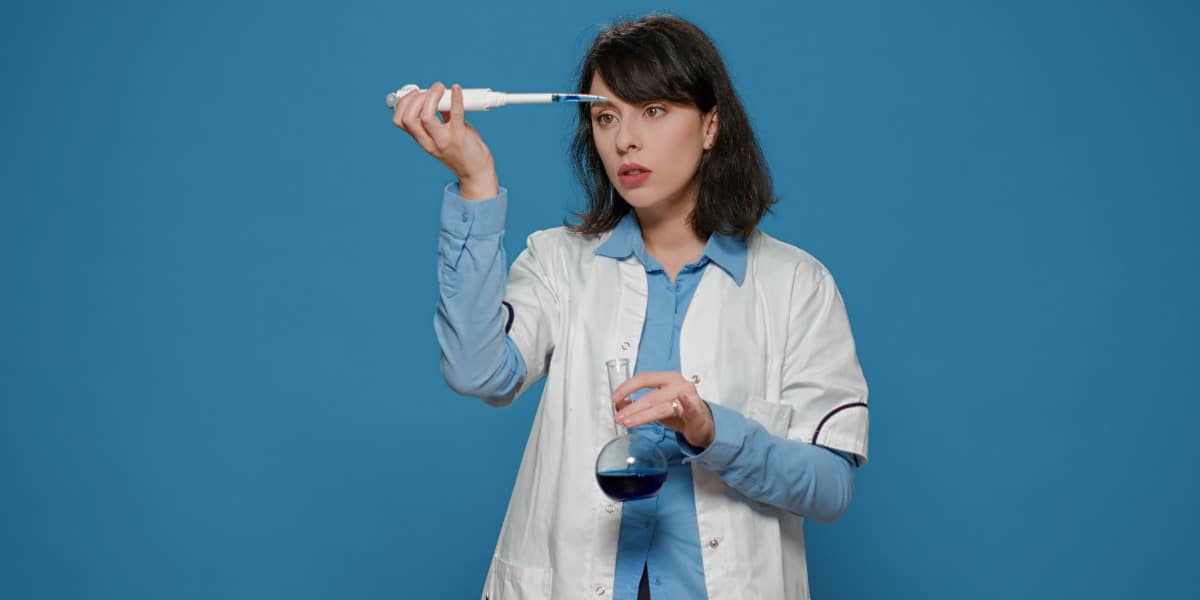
x=674, y=403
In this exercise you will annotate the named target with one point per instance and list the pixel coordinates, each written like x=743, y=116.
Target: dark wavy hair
x=662, y=57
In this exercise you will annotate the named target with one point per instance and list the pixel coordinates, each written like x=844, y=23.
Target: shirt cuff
x=477, y=218
x=729, y=436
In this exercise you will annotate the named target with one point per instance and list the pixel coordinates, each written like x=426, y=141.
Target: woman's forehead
x=598, y=83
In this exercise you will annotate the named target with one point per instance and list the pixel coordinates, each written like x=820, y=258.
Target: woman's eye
x=604, y=119
x=656, y=110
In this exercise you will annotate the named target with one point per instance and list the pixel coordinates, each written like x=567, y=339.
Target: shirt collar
x=729, y=252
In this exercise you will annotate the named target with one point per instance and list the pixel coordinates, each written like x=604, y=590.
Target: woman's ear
x=710, y=128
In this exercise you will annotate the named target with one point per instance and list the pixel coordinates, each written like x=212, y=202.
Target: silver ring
x=675, y=408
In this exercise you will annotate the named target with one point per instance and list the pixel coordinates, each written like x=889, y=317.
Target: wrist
x=705, y=441
x=479, y=186
x=708, y=432
x=730, y=430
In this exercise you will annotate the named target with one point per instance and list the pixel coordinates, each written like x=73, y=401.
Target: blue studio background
x=219, y=376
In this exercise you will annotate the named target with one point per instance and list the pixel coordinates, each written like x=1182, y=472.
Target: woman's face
x=651, y=151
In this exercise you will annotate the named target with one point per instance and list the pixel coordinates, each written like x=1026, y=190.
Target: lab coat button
x=695, y=379
x=624, y=345
x=600, y=590
x=713, y=543
x=610, y=508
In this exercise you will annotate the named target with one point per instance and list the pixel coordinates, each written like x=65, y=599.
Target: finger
x=658, y=395
x=457, y=118
x=429, y=121
x=648, y=412
x=654, y=400
x=652, y=379
x=692, y=412
x=621, y=403
x=412, y=121
x=401, y=105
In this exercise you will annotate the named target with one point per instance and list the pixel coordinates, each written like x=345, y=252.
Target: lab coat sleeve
x=533, y=300
x=478, y=359
x=822, y=380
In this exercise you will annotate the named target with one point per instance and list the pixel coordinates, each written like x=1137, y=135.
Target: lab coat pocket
x=774, y=417
x=510, y=582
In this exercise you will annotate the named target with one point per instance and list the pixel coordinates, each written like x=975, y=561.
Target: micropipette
x=487, y=99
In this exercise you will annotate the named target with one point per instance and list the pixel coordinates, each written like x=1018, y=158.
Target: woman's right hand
x=452, y=140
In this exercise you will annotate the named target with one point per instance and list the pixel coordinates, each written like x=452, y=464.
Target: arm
x=478, y=357
x=822, y=383
x=801, y=478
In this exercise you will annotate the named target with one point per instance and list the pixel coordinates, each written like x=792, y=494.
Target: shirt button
x=466, y=217
x=599, y=590
x=694, y=379
x=713, y=543
x=610, y=508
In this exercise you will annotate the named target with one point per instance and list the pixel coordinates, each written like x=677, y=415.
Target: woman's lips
x=634, y=178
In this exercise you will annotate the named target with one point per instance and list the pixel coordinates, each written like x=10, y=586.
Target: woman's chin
x=641, y=200
x=640, y=197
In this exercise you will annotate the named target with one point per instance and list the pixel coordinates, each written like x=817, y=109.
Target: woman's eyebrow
x=602, y=104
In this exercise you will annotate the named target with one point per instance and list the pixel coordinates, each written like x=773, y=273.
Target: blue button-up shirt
x=660, y=533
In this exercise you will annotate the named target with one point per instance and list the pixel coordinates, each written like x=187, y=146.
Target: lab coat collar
x=729, y=252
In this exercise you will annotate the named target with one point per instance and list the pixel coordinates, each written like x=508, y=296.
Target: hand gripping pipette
x=487, y=99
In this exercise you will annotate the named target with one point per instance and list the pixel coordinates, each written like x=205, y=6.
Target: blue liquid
x=577, y=98
x=631, y=484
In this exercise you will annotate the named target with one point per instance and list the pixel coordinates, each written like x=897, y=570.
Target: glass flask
x=630, y=467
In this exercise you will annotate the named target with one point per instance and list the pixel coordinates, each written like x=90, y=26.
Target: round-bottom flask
x=629, y=467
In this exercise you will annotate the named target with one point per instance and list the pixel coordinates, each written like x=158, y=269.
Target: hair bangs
x=638, y=74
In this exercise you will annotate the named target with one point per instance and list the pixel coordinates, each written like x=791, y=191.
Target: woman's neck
x=668, y=237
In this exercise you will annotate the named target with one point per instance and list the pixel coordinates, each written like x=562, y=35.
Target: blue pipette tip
x=576, y=98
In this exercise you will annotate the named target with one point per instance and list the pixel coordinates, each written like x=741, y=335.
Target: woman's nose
x=628, y=138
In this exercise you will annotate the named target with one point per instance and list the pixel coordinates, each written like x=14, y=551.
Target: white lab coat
x=777, y=349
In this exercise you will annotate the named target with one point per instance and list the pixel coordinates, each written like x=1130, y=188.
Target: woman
x=745, y=368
